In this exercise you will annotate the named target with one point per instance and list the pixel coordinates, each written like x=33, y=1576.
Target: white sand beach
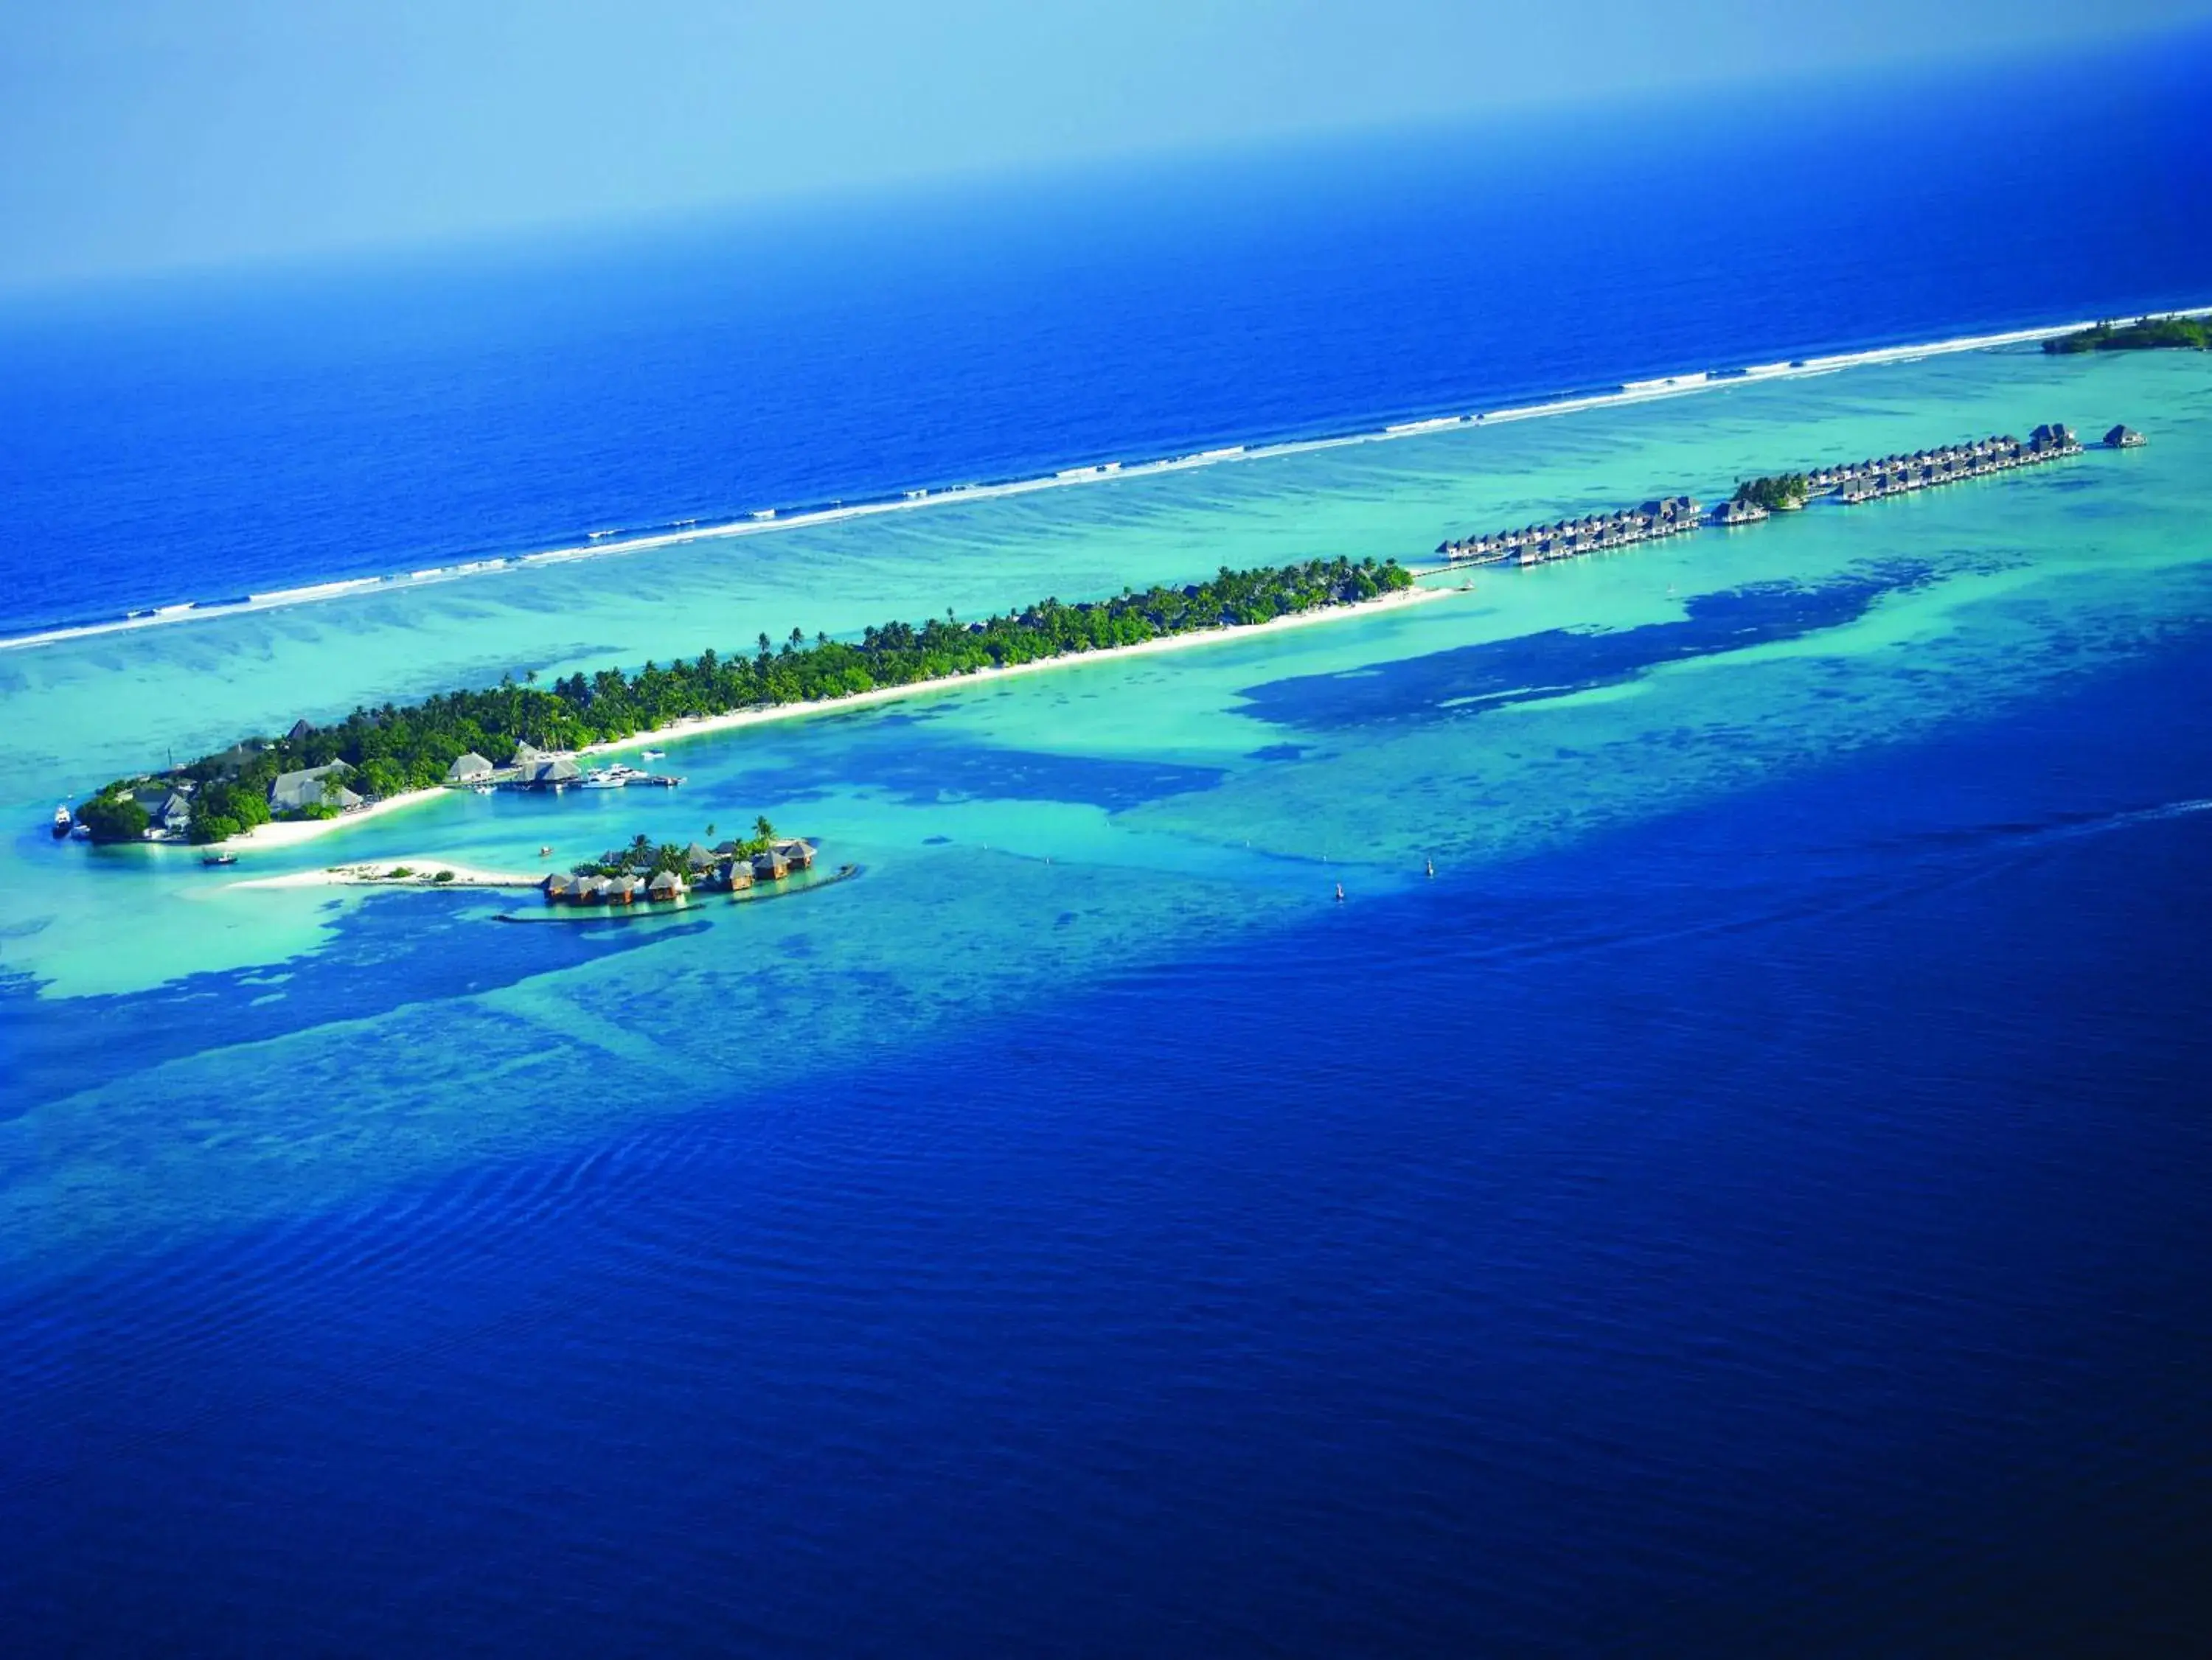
x=422, y=871
x=293, y=832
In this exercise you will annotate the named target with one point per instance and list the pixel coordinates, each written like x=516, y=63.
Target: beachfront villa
x=312, y=786
x=470, y=768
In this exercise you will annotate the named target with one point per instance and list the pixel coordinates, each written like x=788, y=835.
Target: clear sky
x=140, y=134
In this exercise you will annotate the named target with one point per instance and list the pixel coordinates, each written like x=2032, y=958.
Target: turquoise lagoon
x=191, y=1059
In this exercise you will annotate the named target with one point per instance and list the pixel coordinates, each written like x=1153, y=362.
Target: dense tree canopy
x=1777, y=494
x=390, y=749
x=2150, y=334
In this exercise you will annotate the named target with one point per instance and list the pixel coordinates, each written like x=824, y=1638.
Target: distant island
x=381, y=755
x=2144, y=334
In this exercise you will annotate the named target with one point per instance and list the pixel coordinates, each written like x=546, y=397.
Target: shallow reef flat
x=290, y=1051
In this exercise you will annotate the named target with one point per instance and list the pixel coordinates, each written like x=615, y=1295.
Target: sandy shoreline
x=292, y=833
x=705, y=724
x=376, y=873
x=770, y=519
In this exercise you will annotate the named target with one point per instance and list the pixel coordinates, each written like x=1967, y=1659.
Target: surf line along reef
x=315, y=777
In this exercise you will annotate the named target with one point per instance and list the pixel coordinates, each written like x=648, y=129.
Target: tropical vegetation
x=642, y=857
x=1783, y=494
x=2145, y=334
x=396, y=748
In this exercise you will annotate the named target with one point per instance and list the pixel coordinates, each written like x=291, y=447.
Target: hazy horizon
x=161, y=138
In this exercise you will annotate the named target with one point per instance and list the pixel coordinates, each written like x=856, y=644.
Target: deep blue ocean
x=209, y=437
x=1779, y=1228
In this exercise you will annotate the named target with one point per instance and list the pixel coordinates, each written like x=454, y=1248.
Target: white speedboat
x=603, y=780
x=62, y=822
x=652, y=754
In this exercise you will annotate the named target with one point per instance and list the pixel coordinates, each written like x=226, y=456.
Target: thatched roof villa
x=312, y=786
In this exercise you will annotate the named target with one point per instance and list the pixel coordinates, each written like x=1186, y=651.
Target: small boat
x=62, y=822
x=220, y=858
x=81, y=833
x=607, y=780
x=652, y=754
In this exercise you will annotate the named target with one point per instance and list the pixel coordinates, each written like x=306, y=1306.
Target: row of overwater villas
x=1536, y=544
x=724, y=870
x=1867, y=480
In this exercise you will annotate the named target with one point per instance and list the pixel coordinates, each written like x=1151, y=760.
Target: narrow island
x=379, y=759
x=2145, y=334
x=375, y=759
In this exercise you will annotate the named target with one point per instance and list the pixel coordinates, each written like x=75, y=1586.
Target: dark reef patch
x=1470, y=679
x=920, y=770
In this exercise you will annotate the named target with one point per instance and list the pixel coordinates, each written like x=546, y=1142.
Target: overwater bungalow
x=468, y=769
x=697, y=858
x=2123, y=437
x=666, y=887
x=560, y=889
x=551, y=772
x=771, y=866
x=623, y=890
x=799, y=855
